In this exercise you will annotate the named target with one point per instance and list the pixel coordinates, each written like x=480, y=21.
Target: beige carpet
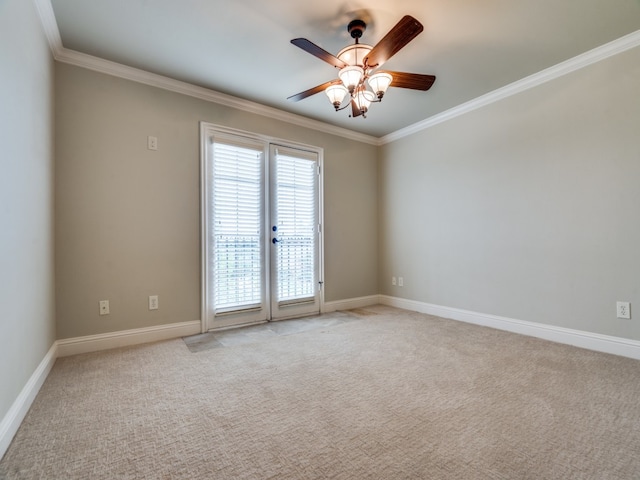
x=389, y=395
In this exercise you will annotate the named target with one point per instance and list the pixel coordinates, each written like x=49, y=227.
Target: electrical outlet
x=623, y=309
x=152, y=143
x=400, y=282
x=153, y=302
x=104, y=307
x=393, y=280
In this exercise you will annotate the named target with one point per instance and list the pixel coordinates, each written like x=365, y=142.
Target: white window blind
x=237, y=196
x=296, y=184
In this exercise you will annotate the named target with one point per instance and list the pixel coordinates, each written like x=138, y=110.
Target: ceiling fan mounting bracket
x=356, y=28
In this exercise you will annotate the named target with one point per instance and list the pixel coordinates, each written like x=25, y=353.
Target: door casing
x=209, y=131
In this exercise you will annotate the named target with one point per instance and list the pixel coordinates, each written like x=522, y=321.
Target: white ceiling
x=242, y=47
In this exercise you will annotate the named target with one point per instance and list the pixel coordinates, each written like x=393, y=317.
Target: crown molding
x=620, y=45
x=49, y=25
x=71, y=57
x=141, y=76
x=64, y=55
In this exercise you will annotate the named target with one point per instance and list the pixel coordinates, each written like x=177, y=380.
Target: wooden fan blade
x=414, y=81
x=405, y=30
x=355, y=111
x=316, y=51
x=312, y=91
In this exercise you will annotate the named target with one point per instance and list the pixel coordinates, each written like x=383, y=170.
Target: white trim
x=134, y=74
x=64, y=55
x=204, y=226
x=12, y=420
x=209, y=130
x=350, y=303
x=104, y=341
x=90, y=62
x=316, y=154
x=321, y=256
x=592, y=341
x=620, y=45
x=49, y=25
x=578, y=338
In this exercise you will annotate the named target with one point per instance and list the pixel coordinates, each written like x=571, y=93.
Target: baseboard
x=71, y=346
x=105, y=341
x=578, y=338
x=350, y=303
x=12, y=420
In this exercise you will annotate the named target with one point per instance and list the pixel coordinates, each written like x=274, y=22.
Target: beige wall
x=27, y=325
x=127, y=218
x=528, y=208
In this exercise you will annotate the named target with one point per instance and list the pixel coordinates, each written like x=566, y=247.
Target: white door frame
x=281, y=310
x=208, y=130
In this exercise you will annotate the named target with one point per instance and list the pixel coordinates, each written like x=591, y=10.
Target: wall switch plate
x=152, y=143
x=393, y=280
x=153, y=302
x=623, y=309
x=400, y=282
x=104, y=307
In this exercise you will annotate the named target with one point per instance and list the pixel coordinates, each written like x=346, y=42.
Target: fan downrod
x=356, y=28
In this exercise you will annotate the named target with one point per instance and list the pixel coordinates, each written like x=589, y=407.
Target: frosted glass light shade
x=363, y=99
x=351, y=76
x=354, y=54
x=336, y=94
x=379, y=82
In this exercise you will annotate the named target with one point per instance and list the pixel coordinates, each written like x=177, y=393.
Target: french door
x=261, y=229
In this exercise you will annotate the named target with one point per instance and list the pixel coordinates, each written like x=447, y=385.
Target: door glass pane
x=237, y=195
x=296, y=228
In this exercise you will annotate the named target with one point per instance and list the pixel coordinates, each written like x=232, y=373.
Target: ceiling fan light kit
x=379, y=82
x=358, y=64
x=363, y=99
x=354, y=54
x=351, y=77
x=336, y=94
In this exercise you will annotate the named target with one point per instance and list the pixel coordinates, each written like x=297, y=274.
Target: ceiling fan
x=359, y=63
